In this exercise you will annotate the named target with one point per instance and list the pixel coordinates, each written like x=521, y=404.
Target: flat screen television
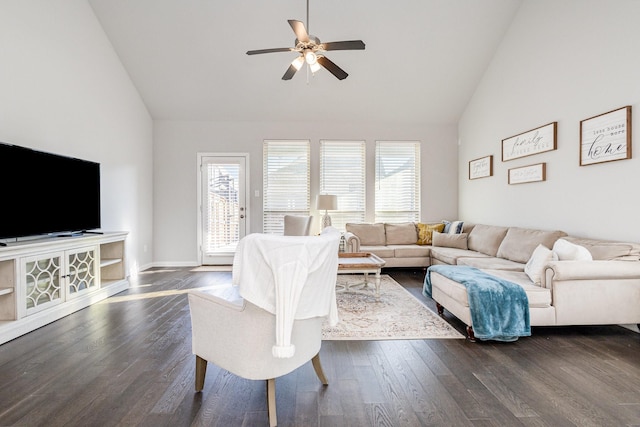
x=44, y=193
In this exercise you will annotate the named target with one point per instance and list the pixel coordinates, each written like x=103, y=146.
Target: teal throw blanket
x=499, y=308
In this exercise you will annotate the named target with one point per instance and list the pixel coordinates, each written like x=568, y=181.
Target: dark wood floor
x=128, y=361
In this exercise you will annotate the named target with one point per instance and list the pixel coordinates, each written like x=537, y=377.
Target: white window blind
x=397, y=185
x=285, y=182
x=342, y=173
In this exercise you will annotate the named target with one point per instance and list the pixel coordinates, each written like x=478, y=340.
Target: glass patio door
x=223, y=207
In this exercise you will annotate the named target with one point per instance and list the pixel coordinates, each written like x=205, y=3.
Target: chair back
x=297, y=225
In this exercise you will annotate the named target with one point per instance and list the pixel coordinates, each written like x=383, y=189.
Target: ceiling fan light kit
x=312, y=51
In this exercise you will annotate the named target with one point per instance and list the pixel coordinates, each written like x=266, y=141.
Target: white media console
x=45, y=279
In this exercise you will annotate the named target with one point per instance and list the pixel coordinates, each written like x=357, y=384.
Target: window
x=285, y=182
x=397, y=185
x=342, y=172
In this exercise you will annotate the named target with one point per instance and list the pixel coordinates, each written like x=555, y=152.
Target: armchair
x=297, y=225
x=269, y=322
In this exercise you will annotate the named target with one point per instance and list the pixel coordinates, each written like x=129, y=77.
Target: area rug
x=397, y=315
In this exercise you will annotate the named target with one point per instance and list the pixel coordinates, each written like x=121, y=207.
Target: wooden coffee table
x=361, y=263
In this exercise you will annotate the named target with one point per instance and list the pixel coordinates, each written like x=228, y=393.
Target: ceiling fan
x=312, y=51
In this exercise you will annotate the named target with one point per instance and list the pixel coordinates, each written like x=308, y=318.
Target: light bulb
x=310, y=57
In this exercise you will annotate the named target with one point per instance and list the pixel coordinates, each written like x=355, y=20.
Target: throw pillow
x=568, y=251
x=539, y=259
x=456, y=227
x=425, y=232
x=448, y=240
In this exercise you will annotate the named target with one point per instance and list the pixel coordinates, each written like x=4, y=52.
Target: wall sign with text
x=481, y=168
x=530, y=173
x=606, y=137
x=532, y=142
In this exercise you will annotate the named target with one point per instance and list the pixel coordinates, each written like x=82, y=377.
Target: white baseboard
x=632, y=327
x=174, y=264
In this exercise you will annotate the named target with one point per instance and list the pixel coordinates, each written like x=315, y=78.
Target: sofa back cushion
x=401, y=234
x=608, y=250
x=519, y=243
x=369, y=234
x=486, y=239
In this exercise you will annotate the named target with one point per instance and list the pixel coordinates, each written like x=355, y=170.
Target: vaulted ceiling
x=422, y=62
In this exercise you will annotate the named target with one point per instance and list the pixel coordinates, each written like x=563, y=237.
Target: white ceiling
x=422, y=62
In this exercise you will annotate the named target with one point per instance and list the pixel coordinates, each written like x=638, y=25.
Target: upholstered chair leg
x=201, y=371
x=318, y=368
x=271, y=402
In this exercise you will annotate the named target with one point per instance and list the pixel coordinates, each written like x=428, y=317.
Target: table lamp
x=326, y=202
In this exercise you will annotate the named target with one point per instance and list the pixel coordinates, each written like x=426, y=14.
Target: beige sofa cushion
x=451, y=256
x=608, y=250
x=519, y=243
x=486, y=239
x=381, y=251
x=410, y=251
x=537, y=296
x=401, y=234
x=369, y=234
x=450, y=240
x=493, y=263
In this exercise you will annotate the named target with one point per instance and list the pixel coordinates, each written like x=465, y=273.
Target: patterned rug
x=396, y=315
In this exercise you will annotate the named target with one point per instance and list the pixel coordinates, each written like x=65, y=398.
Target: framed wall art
x=530, y=173
x=606, y=137
x=481, y=168
x=535, y=141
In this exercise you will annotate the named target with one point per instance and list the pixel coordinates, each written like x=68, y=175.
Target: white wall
x=64, y=90
x=561, y=61
x=177, y=143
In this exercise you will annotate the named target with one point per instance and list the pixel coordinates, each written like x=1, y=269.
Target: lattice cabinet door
x=43, y=282
x=81, y=271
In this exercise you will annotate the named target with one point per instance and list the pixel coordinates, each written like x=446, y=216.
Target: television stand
x=45, y=279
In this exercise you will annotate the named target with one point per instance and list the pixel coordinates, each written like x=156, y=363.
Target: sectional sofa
x=568, y=280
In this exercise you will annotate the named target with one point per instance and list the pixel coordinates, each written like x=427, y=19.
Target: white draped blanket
x=292, y=277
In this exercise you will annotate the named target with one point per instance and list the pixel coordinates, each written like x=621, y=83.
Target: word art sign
x=606, y=137
x=531, y=173
x=481, y=168
x=535, y=141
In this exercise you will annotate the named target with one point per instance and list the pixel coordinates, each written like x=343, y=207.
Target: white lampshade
x=327, y=202
x=298, y=62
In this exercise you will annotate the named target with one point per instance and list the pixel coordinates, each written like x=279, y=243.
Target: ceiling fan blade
x=332, y=68
x=300, y=30
x=291, y=71
x=278, y=49
x=344, y=45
